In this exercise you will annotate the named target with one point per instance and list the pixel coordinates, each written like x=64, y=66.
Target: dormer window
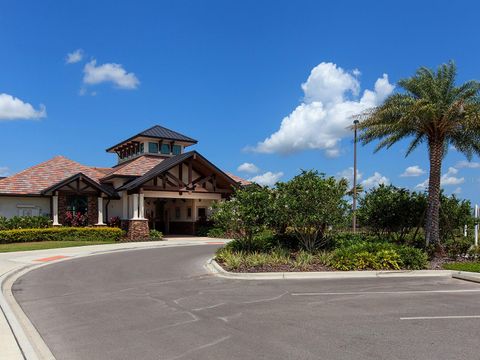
x=165, y=149
x=176, y=149
x=153, y=147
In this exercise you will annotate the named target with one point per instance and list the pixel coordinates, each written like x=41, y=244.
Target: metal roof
x=159, y=132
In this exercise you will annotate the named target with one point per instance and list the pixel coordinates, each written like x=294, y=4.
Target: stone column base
x=137, y=230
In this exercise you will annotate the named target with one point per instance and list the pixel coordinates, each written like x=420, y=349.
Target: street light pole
x=354, y=204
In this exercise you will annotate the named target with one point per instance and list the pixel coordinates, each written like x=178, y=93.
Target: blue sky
x=226, y=73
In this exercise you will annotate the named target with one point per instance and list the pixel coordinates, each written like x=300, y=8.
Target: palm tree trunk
x=432, y=228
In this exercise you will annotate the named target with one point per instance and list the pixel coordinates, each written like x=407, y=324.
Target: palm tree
x=434, y=111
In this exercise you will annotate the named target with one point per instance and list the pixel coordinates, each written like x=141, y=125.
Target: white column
x=55, y=210
x=135, y=206
x=100, y=211
x=141, y=206
x=476, y=225
x=125, y=205
x=194, y=210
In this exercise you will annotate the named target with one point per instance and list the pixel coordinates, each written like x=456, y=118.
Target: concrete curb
x=466, y=275
x=28, y=340
x=217, y=270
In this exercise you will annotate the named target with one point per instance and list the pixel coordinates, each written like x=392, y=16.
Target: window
x=142, y=148
x=202, y=214
x=189, y=213
x=152, y=147
x=177, y=213
x=176, y=149
x=28, y=210
x=165, y=149
x=77, y=204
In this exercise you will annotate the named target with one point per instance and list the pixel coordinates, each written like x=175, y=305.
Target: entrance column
x=124, y=205
x=135, y=207
x=141, y=206
x=55, y=210
x=100, y=211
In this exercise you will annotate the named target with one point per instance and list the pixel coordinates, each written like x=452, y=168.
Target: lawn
x=41, y=245
x=463, y=266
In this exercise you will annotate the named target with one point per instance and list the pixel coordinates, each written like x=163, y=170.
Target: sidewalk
x=12, y=262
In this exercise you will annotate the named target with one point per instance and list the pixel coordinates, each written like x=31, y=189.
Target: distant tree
x=435, y=111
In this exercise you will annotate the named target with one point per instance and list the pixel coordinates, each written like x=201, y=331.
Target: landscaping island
x=303, y=226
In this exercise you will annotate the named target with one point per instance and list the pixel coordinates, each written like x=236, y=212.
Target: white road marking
x=441, y=317
x=388, y=292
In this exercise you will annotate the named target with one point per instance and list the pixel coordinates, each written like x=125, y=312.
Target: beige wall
x=16, y=205
x=172, y=204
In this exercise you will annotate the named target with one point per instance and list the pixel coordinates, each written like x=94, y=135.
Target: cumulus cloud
x=449, y=178
x=74, y=57
x=375, y=180
x=331, y=97
x=109, y=73
x=269, y=178
x=467, y=164
x=4, y=171
x=12, y=108
x=248, y=168
x=348, y=175
x=412, y=171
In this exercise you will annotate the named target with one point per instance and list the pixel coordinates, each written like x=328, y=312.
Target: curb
x=217, y=270
x=466, y=275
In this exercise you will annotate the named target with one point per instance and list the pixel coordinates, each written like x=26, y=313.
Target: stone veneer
x=92, y=209
x=137, y=230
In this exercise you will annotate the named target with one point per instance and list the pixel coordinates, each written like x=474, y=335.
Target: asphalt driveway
x=162, y=304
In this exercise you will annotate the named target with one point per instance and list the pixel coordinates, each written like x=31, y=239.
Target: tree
x=308, y=204
x=391, y=211
x=246, y=214
x=434, y=111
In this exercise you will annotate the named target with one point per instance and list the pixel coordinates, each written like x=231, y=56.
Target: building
x=156, y=184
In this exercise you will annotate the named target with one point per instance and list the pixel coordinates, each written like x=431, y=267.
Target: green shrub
x=61, y=233
x=216, y=233
x=155, y=235
x=457, y=247
x=25, y=222
x=412, y=258
x=377, y=256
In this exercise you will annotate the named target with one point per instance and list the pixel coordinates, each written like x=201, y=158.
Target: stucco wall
x=10, y=205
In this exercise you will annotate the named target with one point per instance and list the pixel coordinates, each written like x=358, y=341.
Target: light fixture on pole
x=354, y=203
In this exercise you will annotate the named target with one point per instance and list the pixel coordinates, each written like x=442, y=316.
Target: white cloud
x=323, y=118
x=4, y=171
x=248, y=168
x=448, y=178
x=457, y=191
x=109, y=72
x=74, y=57
x=467, y=164
x=267, y=178
x=348, y=175
x=375, y=180
x=12, y=108
x=412, y=171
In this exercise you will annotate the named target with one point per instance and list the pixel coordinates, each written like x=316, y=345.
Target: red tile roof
x=239, y=180
x=42, y=176
x=135, y=167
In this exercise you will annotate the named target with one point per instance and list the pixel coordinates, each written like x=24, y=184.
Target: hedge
x=61, y=234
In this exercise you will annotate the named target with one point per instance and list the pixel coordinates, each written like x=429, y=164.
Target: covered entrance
x=176, y=196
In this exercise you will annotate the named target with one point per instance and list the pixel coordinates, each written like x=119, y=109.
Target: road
x=162, y=304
